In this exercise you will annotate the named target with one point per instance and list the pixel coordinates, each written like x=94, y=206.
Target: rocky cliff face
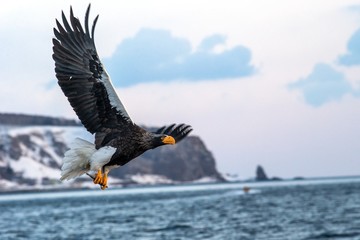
x=187, y=161
x=14, y=119
x=31, y=157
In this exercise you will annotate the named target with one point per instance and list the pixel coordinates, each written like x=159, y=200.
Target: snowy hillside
x=31, y=157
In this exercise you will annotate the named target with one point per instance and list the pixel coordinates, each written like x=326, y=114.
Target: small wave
x=169, y=228
x=241, y=192
x=327, y=235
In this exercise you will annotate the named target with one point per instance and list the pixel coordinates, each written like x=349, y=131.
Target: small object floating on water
x=246, y=189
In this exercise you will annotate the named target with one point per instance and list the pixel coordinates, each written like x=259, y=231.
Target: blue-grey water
x=286, y=210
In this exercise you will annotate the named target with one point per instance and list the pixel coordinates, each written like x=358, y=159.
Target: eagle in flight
x=87, y=86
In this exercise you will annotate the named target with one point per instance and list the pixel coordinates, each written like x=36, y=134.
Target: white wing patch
x=113, y=97
x=101, y=157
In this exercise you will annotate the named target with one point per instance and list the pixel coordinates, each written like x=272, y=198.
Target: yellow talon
x=98, y=177
x=101, y=179
x=104, y=182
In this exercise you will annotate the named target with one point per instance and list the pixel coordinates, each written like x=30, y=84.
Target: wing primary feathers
x=60, y=32
x=178, y=132
x=178, y=127
x=160, y=130
x=73, y=40
x=93, y=27
x=168, y=130
x=87, y=32
x=181, y=131
x=77, y=22
x=66, y=41
x=77, y=29
x=65, y=22
x=73, y=21
x=83, y=78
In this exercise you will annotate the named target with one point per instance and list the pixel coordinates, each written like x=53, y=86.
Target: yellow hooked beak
x=168, y=140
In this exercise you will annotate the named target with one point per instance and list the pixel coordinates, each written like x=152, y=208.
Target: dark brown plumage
x=88, y=87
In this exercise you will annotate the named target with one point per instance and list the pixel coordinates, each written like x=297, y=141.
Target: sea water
x=328, y=209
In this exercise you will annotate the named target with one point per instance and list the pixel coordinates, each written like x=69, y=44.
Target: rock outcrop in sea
x=260, y=174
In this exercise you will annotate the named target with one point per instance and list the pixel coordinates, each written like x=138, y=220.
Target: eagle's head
x=162, y=139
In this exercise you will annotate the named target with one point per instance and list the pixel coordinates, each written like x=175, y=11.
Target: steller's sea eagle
x=86, y=84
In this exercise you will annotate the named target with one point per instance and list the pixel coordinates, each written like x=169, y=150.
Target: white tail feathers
x=76, y=161
x=83, y=157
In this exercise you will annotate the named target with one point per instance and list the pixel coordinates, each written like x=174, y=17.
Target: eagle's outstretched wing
x=83, y=78
x=178, y=132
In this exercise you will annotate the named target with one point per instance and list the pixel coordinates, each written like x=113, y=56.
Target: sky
x=273, y=83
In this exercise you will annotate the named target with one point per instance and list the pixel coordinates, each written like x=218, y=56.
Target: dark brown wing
x=83, y=78
x=178, y=132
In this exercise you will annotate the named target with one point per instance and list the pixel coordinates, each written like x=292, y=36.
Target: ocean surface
x=319, y=209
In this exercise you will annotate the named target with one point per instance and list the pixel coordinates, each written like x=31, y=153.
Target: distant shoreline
x=134, y=186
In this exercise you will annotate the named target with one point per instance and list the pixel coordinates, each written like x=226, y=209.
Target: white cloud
x=322, y=85
x=157, y=55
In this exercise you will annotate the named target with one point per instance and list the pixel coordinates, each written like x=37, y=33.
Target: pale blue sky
x=273, y=82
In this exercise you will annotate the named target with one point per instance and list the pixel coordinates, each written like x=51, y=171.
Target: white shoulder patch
x=101, y=157
x=113, y=97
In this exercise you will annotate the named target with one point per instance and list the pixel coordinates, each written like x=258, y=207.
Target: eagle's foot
x=104, y=182
x=98, y=177
x=101, y=179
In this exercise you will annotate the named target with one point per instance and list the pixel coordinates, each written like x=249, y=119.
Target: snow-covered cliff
x=30, y=157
